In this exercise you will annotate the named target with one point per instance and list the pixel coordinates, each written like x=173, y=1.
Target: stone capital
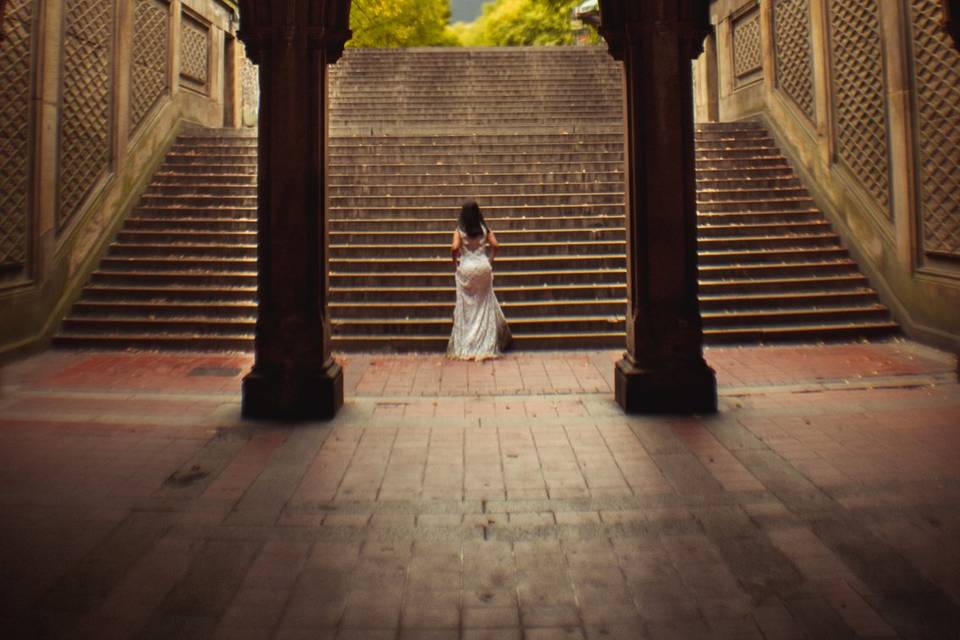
x=307, y=25
x=627, y=23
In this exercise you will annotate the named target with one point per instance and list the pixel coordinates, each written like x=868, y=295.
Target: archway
x=294, y=375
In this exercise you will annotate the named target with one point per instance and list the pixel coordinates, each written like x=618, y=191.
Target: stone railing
x=95, y=92
x=864, y=96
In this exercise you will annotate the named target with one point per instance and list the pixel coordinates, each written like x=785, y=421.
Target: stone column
x=294, y=375
x=707, y=90
x=663, y=370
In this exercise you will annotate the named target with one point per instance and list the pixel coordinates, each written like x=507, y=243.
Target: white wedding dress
x=480, y=329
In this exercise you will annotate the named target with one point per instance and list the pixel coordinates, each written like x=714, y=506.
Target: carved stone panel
x=16, y=52
x=86, y=115
x=794, y=59
x=747, y=52
x=194, y=53
x=149, y=71
x=858, y=87
x=937, y=72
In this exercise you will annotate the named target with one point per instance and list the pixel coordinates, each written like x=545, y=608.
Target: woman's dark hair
x=471, y=220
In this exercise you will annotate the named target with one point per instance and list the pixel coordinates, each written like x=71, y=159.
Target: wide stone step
x=170, y=293
x=174, y=278
x=757, y=163
x=766, y=255
x=209, y=309
x=445, y=292
x=453, y=202
x=764, y=270
x=726, y=218
x=587, y=248
x=195, y=250
x=836, y=331
x=560, y=139
x=737, y=171
x=124, y=324
x=415, y=309
x=753, y=142
x=461, y=108
x=706, y=196
x=450, y=183
x=499, y=223
x=807, y=240
x=186, y=237
x=438, y=343
x=803, y=202
x=442, y=325
x=717, y=285
x=744, y=318
x=775, y=228
x=750, y=153
x=765, y=183
x=486, y=191
x=189, y=225
x=506, y=236
x=159, y=342
x=505, y=263
x=206, y=190
x=493, y=211
x=207, y=166
x=511, y=158
x=176, y=215
x=566, y=165
x=498, y=121
x=479, y=145
x=516, y=278
x=201, y=180
x=231, y=158
x=852, y=296
x=177, y=263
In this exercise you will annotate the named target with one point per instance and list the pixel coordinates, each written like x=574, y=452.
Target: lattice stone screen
x=791, y=20
x=149, y=69
x=747, y=53
x=194, y=52
x=858, y=88
x=15, y=77
x=85, y=120
x=937, y=71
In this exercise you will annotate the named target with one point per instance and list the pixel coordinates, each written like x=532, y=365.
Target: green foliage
x=520, y=22
x=401, y=23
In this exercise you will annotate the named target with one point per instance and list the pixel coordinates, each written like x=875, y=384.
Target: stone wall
x=94, y=92
x=864, y=96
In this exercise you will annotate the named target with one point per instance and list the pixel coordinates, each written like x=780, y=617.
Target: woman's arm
x=492, y=241
x=455, y=247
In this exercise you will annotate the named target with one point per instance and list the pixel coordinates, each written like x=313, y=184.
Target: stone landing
x=509, y=499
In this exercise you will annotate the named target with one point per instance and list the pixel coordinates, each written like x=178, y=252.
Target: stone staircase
x=771, y=267
x=534, y=135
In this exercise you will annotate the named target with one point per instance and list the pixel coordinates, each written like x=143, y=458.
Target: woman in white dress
x=480, y=330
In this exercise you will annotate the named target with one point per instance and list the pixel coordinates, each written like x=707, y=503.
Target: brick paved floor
x=497, y=500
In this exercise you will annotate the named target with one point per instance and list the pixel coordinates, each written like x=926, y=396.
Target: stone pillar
x=663, y=370
x=294, y=375
x=707, y=90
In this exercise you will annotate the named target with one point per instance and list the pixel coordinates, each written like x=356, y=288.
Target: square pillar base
x=285, y=395
x=677, y=390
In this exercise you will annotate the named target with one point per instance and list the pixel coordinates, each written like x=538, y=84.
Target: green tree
x=520, y=22
x=400, y=23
